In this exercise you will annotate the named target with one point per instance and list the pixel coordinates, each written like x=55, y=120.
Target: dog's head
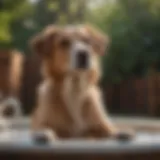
x=70, y=48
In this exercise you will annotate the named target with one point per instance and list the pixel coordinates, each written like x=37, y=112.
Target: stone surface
x=15, y=136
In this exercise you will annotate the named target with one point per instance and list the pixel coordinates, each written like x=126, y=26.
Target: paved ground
x=22, y=141
x=15, y=136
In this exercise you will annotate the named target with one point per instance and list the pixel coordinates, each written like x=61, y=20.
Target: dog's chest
x=74, y=95
x=65, y=113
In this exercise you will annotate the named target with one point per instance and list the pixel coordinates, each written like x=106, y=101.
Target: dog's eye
x=87, y=41
x=65, y=43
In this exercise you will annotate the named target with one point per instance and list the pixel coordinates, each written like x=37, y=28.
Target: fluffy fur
x=69, y=99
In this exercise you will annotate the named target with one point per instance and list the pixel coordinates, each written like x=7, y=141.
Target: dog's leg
x=99, y=122
x=42, y=132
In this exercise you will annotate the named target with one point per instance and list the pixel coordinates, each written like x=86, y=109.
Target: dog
x=69, y=100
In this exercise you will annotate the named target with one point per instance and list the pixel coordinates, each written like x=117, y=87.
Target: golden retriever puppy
x=69, y=99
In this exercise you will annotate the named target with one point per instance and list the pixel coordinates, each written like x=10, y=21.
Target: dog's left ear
x=100, y=40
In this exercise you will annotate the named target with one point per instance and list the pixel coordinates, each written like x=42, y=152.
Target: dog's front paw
x=43, y=137
x=124, y=135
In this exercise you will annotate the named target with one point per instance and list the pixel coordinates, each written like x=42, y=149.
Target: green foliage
x=11, y=11
x=134, y=29
x=4, y=27
x=133, y=25
x=21, y=19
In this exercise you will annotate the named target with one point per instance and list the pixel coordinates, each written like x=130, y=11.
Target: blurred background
x=131, y=79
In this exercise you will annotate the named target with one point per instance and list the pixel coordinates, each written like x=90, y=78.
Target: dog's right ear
x=37, y=44
x=43, y=43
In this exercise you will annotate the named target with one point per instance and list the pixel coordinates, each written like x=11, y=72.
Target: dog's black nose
x=82, y=59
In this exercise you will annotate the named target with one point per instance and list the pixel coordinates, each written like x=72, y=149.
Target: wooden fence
x=10, y=72
x=129, y=97
x=137, y=96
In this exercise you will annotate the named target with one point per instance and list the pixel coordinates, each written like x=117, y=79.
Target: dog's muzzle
x=80, y=57
x=82, y=60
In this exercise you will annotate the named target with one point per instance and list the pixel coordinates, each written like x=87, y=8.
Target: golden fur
x=69, y=101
